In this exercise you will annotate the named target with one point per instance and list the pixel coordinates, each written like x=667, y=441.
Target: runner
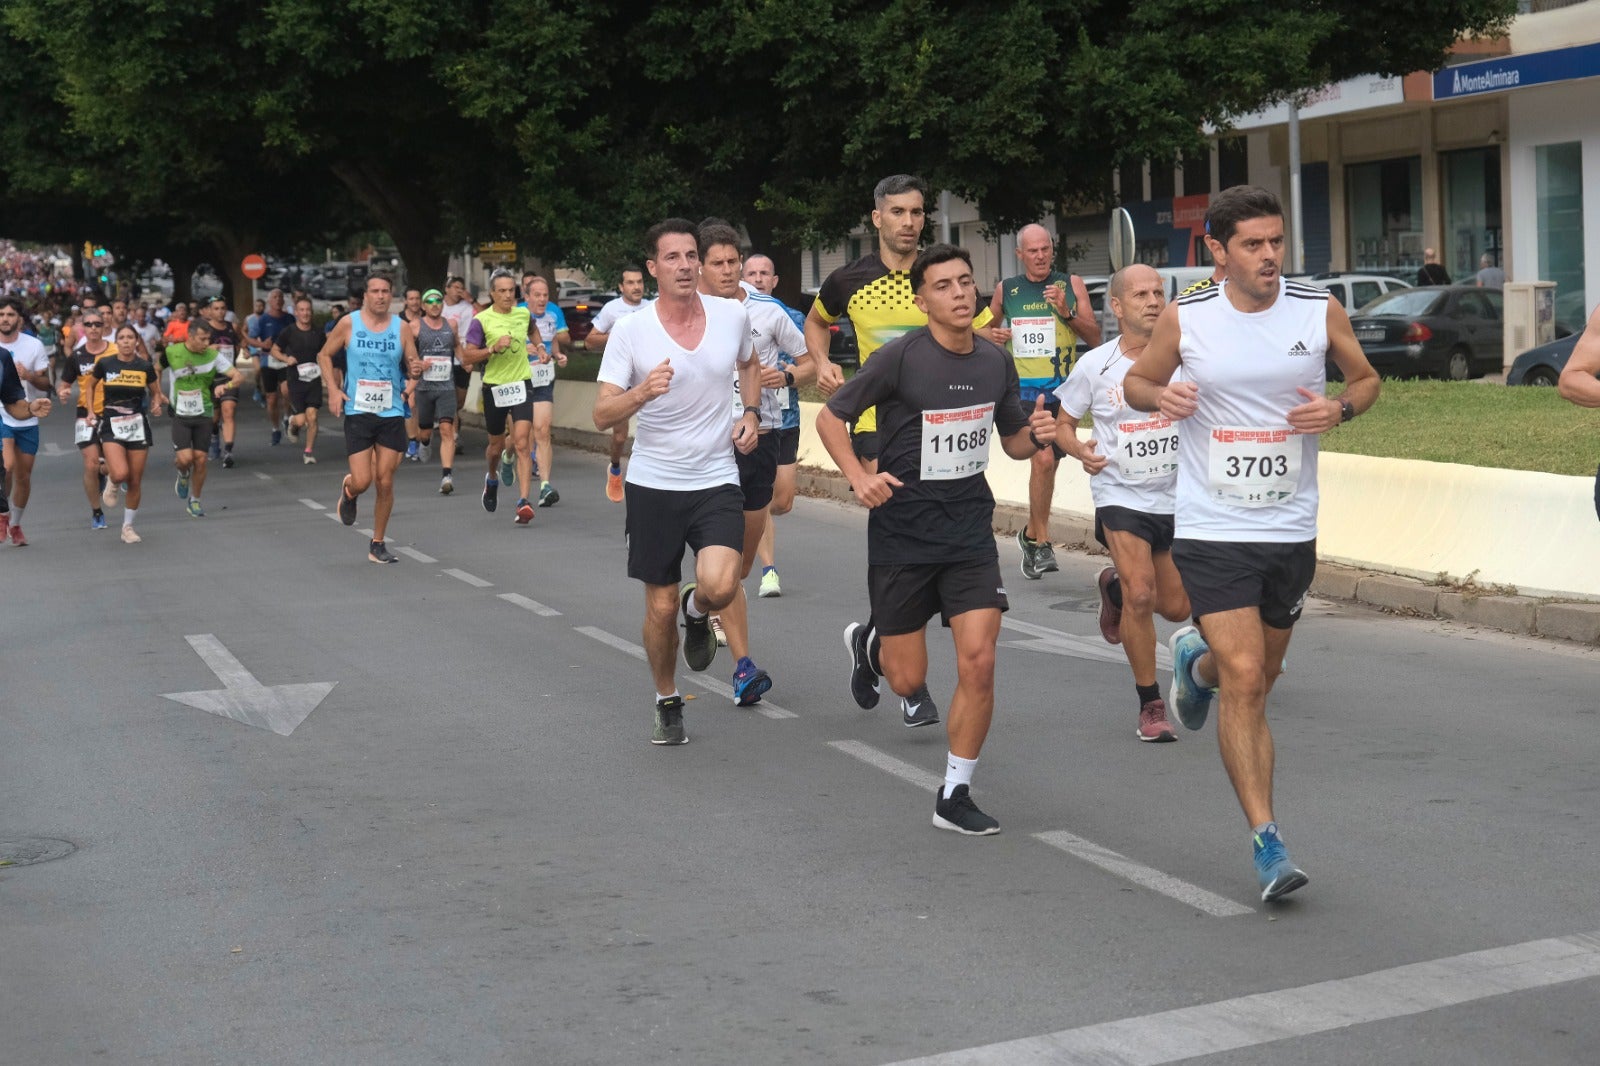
x=439, y=348
x=177, y=324
x=759, y=273
x=669, y=367
x=196, y=368
x=542, y=361
x=14, y=404
x=149, y=332
x=79, y=368
x=1047, y=315
x=631, y=299
x=411, y=314
x=498, y=338
x=297, y=347
x=942, y=392
x=130, y=388
x=20, y=436
x=772, y=332
x=270, y=320
x=226, y=342
x=458, y=311
x=1133, y=465
x=381, y=360
x=1249, y=409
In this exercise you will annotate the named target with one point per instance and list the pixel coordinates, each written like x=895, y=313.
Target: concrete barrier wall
x=1537, y=532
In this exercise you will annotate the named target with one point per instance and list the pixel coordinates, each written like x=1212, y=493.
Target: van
x=1177, y=279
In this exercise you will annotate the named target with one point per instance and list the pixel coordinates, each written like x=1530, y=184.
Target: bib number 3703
x=955, y=443
x=1252, y=467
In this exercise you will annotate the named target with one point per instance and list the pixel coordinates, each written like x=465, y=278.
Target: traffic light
x=99, y=252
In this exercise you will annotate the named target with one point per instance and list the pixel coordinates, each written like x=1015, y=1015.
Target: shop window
x=1384, y=206
x=1471, y=210
x=1197, y=175
x=1233, y=162
x=1559, y=180
x=1162, y=184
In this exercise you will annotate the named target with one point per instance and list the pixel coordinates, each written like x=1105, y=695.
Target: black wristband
x=752, y=410
x=1038, y=445
x=788, y=375
x=1347, y=410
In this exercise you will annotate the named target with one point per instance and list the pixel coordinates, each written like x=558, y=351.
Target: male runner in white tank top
x=1249, y=409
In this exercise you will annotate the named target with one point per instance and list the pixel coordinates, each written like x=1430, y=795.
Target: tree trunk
x=237, y=290
x=183, y=260
x=785, y=260
x=407, y=212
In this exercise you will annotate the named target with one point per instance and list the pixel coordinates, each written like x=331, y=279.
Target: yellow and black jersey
x=79, y=369
x=125, y=385
x=1200, y=286
x=878, y=301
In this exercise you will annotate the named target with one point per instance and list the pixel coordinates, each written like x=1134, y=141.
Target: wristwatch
x=750, y=409
x=1347, y=410
x=788, y=375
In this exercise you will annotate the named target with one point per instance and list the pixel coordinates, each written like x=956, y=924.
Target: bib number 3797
x=955, y=443
x=1251, y=467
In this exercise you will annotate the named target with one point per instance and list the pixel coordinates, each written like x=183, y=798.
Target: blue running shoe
x=508, y=466
x=1189, y=700
x=491, y=494
x=750, y=682
x=1278, y=874
x=181, y=486
x=97, y=521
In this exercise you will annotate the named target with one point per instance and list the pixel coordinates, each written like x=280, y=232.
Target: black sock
x=1114, y=591
x=1147, y=693
x=447, y=471
x=98, y=513
x=377, y=544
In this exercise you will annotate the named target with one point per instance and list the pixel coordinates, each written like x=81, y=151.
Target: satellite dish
x=1121, y=238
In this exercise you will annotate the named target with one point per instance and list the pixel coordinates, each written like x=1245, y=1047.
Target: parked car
x=1542, y=365
x=1452, y=331
x=842, y=347
x=1355, y=291
x=580, y=306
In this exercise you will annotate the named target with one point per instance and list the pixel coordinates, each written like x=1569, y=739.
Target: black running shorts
x=865, y=445
x=758, y=470
x=363, y=431
x=1154, y=529
x=661, y=523
x=192, y=434
x=788, y=446
x=905, y=596
x=303, y=394
x=1226, y=576
x=495, y=418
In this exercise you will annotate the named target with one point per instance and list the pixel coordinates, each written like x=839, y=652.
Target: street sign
x=1121, y=238
x=252, y=266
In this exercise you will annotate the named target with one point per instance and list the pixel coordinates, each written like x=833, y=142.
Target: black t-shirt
x=302, y=345
x=10, y=381
x=127, y=385
x=923, y=391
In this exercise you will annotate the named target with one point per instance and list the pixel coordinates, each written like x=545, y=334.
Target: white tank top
x=1243, y=475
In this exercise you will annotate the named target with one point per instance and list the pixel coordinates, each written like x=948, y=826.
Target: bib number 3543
x=1252, y=467
x=955, y=443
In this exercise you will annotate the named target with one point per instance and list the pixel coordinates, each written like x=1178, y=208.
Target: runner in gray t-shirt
x=438, y=347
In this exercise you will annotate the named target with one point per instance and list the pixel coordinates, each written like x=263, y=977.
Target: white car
x=1355, y=291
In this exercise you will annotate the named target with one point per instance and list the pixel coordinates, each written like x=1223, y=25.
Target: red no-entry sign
x=252, y=266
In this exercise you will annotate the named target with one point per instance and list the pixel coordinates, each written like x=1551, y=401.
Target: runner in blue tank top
x=381, y=367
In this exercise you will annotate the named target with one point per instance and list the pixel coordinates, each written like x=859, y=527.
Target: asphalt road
x=470, y=853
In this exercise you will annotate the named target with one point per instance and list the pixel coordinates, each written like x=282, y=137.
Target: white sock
x=16, y=515
x=957, y=771
x=1194, y=675
x=672, y=696
x=693, y=611
x=128, y=514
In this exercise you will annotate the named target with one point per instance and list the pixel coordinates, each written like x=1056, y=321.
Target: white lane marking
x=330, y=514
x=1110, y=861
x=51, y=448
x=1249, y=1021
x=368, y=533
x=263, y=477
x=764, y=709
x=1058, y=643
x=313, y=504
x=530, y=605
x=474, y=581
x=412, y=553
x=889, y=764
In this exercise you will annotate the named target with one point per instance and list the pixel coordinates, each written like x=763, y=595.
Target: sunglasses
x=433, y=301
x=93, y=322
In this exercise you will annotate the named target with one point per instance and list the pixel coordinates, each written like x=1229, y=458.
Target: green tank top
x=1042, y=344
x=511, y=364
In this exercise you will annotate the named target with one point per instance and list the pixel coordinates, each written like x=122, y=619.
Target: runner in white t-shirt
x=21, y=435
x=458, y=311
x=670, y=367
x=1249, y=410
x=1133, y=463
x=630, y=300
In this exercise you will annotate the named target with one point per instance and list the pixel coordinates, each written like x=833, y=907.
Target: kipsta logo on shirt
x=1299, y=349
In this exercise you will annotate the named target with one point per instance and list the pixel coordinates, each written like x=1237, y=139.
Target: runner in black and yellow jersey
x=79, y=367
x=131, y=389
x=1046, y=314
x=875, y=293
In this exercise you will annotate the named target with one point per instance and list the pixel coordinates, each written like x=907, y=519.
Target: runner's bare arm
x=1148, y=385
x=818, y=335
x=614, y=405
x=999, y=333
x=1082, y=319
x=1578, y=382
x=339, y=338
x=1361, y=381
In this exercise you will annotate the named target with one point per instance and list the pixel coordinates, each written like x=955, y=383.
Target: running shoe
x=548, y=495
x=414, y=451
x=259, y=398
x=195, y=510
x=491, y=493
x=699, y=646
x=277, y=437
x=307, y=459
x=1038, y=557
x=750, y=683
x=614, y=484
x=446, y=486
x=718, y=632
x=227, y=459
x=1277, y=873
x=1153, y=724
x=508, y=466
x=346, y=505
x=524, y=512
x=1110, y=613
x=770, y=588
x=17, y=539
x=129, y=536
x=863, y=679
x=108, y=495
x=1191, y=701
x=97, y=521
x=378, y=552
x=669, y=722
x=960, y=814
x=425, y=453
x=919, y=709
x=290, y=431
x=181, y=486
x=215, y=451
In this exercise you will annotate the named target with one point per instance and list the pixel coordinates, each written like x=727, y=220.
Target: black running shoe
x=863, y=681
x=699, y=644
x=919, y=709
x=378, y=552
x=347, y=505
x=491, y=493
x=961, y=815
x=669, y=722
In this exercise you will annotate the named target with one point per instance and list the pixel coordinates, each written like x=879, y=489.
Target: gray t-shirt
x=436, y=348
x=1492, y=277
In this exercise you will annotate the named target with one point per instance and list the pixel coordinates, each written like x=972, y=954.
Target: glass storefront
x=1560, y=219
x=1471, y=210
x=1384, y=206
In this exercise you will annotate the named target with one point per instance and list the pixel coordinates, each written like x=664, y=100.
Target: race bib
x=436, y=368
x=308, y=371
x=1147, y=450
x=187, y=403
x=373, y=397
x=1033, y=338
x=1251, y=467
x=510, y=394
x=786, y=399
x=82, y=431
x=276, y=364
x=543, y=374
x=128, y=428
x=955, y=444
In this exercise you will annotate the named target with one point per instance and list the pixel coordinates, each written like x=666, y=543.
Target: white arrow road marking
x=1058, y=643
x=279, y=708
